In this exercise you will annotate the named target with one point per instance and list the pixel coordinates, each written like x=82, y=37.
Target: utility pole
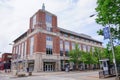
x=114, y=60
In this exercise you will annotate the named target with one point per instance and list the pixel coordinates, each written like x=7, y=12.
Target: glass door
x=49, y=67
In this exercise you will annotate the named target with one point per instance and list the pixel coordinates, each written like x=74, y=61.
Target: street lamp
x=111, y=42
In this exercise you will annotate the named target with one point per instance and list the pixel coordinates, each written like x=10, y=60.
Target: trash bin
x=67, y=69
x=29, y=70
x=30, y=73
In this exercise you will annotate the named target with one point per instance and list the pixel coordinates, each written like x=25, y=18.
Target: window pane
x=48, y=18
x=48, y=38
x=49, y=29
x=31, y=45
x=34, y=21
x=73, y=45
x=84, y=48
x=25, y=49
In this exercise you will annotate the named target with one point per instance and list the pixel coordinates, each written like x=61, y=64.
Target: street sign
x=106, y=33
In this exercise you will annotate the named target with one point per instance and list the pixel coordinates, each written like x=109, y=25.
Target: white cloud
x=72, y=15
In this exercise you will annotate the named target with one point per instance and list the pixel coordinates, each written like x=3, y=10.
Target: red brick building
x=45, y=46
x=6, y=59
x=1, y=64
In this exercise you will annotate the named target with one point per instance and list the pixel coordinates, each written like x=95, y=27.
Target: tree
x=98, y=54
x=75, y=55
x=90, y=58
x=117, y=54
x=108, y=15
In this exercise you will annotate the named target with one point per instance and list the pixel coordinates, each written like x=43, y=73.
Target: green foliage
x=83, y=57
x=117, y=54
x=108, y=12
x=75, y=55
x=93, y=57
x=90, y=58
x=109, y=15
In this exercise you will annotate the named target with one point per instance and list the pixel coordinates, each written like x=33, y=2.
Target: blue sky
x=72, y=15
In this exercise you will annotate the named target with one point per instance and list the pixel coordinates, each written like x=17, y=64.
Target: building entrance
x=49, y=66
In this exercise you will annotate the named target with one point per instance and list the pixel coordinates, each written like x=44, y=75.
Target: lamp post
x=114, y=60
x=108, y=52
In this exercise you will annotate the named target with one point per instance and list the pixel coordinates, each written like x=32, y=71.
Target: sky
x=73, y=15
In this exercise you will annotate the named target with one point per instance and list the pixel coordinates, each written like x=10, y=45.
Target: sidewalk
x=3, y=72
x=77, y=75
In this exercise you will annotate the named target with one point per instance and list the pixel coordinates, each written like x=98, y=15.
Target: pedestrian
x=27, y=69
x=5, y=67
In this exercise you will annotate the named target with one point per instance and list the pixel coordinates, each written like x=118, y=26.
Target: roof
x=64, y=31
x=47, y=12
x=21, y=36
x=6, y=54
x=77, y=34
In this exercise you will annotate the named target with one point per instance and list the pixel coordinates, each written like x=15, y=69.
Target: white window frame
x=31, y=46
x=33, y=21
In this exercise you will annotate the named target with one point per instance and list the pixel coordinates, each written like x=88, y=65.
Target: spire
x=43, y=7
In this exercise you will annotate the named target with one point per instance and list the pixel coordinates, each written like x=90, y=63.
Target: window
x=25, y=47
x=77, y=38
x=89, y=48
x=49, y=49
x=84, y=48
x=66, y=43
x=49, y=29
x=100, y=44
x=61, y=41
x=16, y=51
x=48, y=18
x=9, y=56
x=65, y=35
x=67, y=48
x=72, y=37
x=73, y=45
x=34, y=21
x=19, y=55
x=31, y=45
x=79, y=46
x=48, y=22
x=22, y=50
x=48, y=38
x=49, y=45
x=61, y=53
x=87, y=40
x=82, y=39
x=90, y=41
x=66, y=52
x=61, y=34
x=61, y=47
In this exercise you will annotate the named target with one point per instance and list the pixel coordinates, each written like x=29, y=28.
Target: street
x=92, y=75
